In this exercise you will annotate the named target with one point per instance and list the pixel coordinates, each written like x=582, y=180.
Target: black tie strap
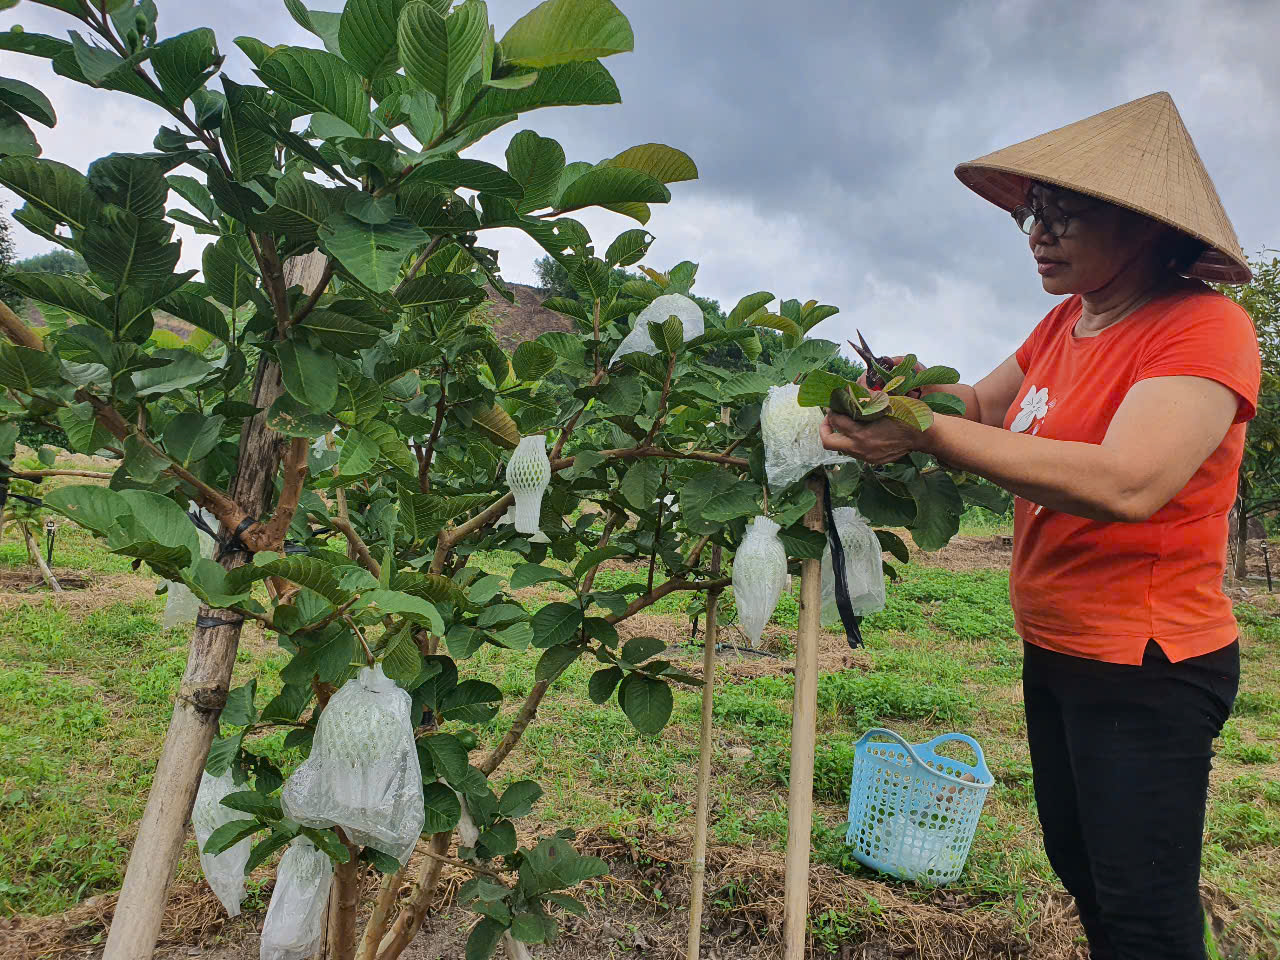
x=852, y=623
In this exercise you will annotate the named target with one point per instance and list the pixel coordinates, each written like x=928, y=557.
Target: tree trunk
x=203, y=692
x=1242, y=541
x=380, y=920
x=409, y=921
x=344, y=903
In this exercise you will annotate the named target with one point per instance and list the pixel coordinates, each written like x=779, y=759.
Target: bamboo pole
x=795, y=922
x=704, y=765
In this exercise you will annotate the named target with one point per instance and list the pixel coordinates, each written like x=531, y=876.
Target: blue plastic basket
x=912, y=813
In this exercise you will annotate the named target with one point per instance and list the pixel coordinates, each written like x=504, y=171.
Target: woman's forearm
x=1083, y=479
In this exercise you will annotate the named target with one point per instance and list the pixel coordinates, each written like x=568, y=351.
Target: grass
x=85, y=693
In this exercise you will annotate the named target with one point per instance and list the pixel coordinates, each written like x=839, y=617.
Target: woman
x=1119, y=426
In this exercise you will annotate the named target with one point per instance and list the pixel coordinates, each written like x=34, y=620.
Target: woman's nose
x=1040, y=236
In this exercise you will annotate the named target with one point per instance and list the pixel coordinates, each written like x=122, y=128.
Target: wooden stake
x=704, y=765
x=795, y=917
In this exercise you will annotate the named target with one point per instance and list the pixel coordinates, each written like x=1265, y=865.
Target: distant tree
x=553, y=279
x=54, y=261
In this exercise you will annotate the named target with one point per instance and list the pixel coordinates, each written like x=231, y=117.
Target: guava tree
x=347, y=423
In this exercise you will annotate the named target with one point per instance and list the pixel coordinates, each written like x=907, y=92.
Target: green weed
x=1249, y=753
x=1251, y=704
x=871, y=699
x=1242, y=826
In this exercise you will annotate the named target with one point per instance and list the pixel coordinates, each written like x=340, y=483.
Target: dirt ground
x=80, y=591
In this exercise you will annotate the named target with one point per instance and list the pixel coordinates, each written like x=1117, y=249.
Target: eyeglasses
x=1053, y=219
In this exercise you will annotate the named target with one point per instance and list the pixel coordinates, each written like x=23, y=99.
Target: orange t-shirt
x=1102, y=590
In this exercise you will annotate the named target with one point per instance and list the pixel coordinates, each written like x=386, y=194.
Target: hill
x=525, y=319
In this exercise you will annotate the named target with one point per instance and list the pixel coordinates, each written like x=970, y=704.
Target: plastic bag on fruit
x=363, y=773
x=528, y=476
x=864, y=566
x=295, y=919
x=672, y=304
x=182, y=606
x=792, y=444
x=759, y=574
x=223, y=871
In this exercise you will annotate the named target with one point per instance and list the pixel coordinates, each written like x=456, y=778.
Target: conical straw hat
x=1138, y=155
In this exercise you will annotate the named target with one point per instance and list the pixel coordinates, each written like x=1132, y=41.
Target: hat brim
x=1007, y=187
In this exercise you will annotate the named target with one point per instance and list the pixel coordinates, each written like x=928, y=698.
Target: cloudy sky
x=826, y=132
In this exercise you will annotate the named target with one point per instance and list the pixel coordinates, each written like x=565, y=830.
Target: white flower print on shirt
x=1034, y=406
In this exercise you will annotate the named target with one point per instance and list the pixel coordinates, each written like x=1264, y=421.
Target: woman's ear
x=1179, y=250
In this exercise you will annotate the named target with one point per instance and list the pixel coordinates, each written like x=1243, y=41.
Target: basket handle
x=968, y=741
x=911, y=751
x=882, y=732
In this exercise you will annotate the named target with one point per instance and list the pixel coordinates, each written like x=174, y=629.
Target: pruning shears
x=877, y=367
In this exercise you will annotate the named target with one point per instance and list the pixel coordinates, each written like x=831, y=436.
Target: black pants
x=1120, y=756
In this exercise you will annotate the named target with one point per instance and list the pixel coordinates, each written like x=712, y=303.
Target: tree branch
x=38, y=475
x=463, y=864
x=595, y=326
x=273, y=280
x=609, y=526
x=662, y=404
x=448, y=539
x=344, y=527
x=272, y=533
x=335, y=615
x=567, y=429
x=17, y=331
x=528, y=710
x=411, y=915
x=418, y=264
x=692, y=559
x=104, y=30
x=662, y=590
x=376, y=927
x=344, y=901
x=305, y=310
x=229, y=513
x=424, y=464
x=642, y=453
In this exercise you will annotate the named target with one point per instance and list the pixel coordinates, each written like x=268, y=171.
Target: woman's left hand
x=876, y=442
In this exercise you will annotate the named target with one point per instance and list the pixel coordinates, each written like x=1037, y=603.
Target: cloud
x=826, y=133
